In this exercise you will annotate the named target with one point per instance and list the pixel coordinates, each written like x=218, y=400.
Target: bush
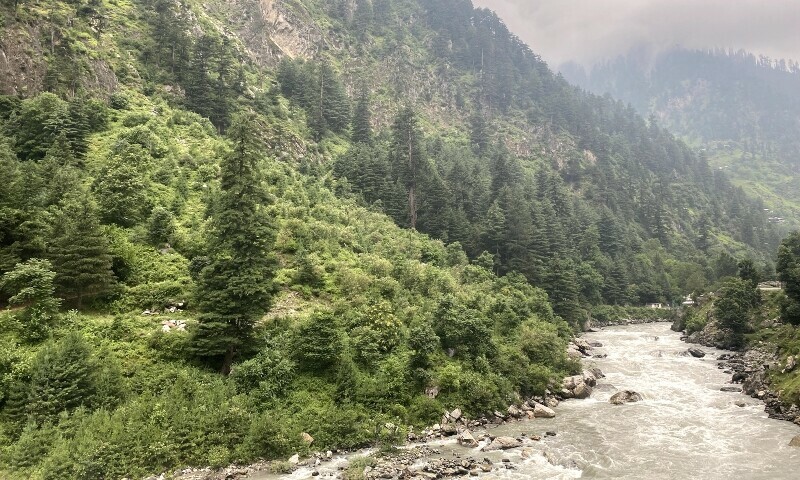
x=317, y=342
x=266, y=376
x=424, y=411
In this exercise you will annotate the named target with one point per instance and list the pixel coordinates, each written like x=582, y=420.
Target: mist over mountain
x=587, y=31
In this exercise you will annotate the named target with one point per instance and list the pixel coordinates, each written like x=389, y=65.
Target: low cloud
x=587, y=31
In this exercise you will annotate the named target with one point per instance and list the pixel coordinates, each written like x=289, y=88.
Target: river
x=686, y=428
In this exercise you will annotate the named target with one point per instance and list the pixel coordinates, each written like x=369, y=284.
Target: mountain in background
x=738, y=109
x=346, y=214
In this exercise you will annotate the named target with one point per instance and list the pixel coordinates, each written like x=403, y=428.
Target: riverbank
x=454, y=428
x=684, y=418
x=750, y=369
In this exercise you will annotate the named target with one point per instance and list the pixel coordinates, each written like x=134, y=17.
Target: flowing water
x=685, y=428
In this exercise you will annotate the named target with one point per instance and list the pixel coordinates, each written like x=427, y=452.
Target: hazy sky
x=588, y=30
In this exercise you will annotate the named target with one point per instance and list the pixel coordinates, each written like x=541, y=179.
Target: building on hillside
x=655, y=305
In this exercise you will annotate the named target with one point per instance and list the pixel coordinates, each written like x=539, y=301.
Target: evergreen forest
x=226, y=224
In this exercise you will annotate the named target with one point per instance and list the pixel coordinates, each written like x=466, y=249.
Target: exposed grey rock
x=625, y=396
x=795, y=441
x=502, y=443
x=582, y=391
x=467, y=440
x=696, y=352
x=514, y=412
x=541, y=411
x=791, y=363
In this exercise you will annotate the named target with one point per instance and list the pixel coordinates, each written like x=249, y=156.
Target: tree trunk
x=227, y=362
x=412, y=207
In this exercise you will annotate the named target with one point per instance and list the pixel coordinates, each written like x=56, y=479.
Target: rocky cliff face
x=272, y=29
x=22, y=64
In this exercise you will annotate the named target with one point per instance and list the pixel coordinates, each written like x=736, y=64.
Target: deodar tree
x=234, y=287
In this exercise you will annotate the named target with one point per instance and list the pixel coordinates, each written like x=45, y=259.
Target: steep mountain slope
x=135, y=135
x=739, y=110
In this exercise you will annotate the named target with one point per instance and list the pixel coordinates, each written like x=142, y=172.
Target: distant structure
x=770, y=286
x=655, y=305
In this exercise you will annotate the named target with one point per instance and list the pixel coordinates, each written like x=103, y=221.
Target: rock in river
x=540, y=411
x=502, y=443
x=625, y=396
x=795, y=442
x=696, y=352
x=467, y=440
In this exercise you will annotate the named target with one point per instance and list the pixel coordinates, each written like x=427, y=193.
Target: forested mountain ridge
x=246, y=174
x=739, y=110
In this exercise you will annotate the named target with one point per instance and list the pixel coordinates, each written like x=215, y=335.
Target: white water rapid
x=685, y=428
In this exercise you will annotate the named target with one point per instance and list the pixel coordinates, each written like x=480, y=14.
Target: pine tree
x=234, y=288
x=62, y=379
x=408, y=159
x=362, y=119
x=363, y=17
x=121, y=189
x=79, y=250
x=160, y=226
x=562, y=287
x=479, y=135
x=31, y=286
x=199, y=88
x=788, y=268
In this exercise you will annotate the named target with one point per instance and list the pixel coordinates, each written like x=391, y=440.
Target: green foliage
x=160, y=226
x=317, y=343
x=62, y=378
x=788, y=268
x=733, y=306
x=79, y=250
x=464, y=330
x=31, y=286
x=235, y=286
x=268, y=375
x=367, y=313
x=120, y=188
x=317, y=88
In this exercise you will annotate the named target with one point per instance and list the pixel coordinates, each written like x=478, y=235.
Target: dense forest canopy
x=211, y=243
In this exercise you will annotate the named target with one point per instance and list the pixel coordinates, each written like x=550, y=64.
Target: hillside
x=226, y=224
x=739, y=110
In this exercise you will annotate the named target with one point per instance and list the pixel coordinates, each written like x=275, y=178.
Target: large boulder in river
x=466, y=439
x=696, y=352
x=625, y=396
x=576, y=386
x=795, y=441
x=540, y=411
x=502, y=443
x=582, y=391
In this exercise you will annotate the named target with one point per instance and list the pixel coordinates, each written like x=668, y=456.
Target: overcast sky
x=589, y=30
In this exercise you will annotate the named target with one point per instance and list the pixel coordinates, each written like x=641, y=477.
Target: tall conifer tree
x=234, y=288
x=80, y=252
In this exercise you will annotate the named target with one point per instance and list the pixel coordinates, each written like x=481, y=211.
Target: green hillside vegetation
x=418, y=203
x=363, y=319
